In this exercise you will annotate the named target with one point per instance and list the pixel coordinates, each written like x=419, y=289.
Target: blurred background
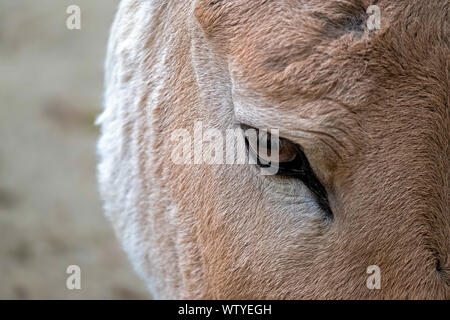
x=51, y=81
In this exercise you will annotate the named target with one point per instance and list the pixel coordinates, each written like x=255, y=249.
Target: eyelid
x=283, y=145
x=299, y=167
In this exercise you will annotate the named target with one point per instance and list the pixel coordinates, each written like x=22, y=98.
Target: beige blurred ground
x=50, y=213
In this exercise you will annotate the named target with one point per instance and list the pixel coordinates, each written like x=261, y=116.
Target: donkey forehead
x=291, y=46
x=318, y=61
x=322, y=52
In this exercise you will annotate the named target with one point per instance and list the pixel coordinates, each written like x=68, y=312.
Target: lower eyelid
x=289, y=187
x=299, y=188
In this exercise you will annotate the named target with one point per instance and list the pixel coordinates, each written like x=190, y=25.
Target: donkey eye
x=264, y=146
x=292, y=163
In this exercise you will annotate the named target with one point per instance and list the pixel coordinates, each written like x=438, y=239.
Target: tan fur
x=370, y=108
